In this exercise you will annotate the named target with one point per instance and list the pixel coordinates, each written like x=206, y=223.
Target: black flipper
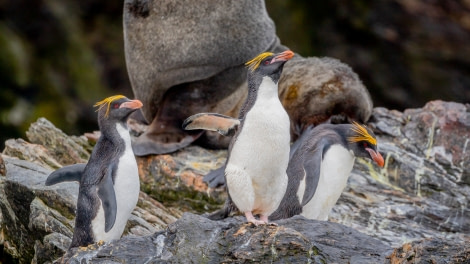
x=67, y=173
x=302, y=138
x=108, y=199
x=215, y=178
x=312, y=170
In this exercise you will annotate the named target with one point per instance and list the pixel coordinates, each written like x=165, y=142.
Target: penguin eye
x=364, y=144
x=266, y=62
x=116, y=106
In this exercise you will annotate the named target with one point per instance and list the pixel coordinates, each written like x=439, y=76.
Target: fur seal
x=317, y=90
x=187, y=58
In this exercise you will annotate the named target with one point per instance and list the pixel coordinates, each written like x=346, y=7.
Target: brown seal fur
x=313, y=90
x=184, y=60
x=186, y=57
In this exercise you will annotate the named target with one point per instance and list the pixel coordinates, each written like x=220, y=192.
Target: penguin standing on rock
x=109, y=182
x=319, y=167
x=255, y=170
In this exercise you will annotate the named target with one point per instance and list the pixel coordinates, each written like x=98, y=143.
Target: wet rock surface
x=414, y=210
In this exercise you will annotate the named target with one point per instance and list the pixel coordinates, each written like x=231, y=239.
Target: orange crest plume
x=361, y=134
x=254, y=63
x=107, y=101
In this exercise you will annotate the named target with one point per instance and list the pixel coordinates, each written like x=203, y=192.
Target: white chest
x=261, y=151
x=263, y=144
x=126, y=189
x=334, y=172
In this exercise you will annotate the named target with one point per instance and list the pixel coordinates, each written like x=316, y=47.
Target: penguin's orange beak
x=132, y=104
x=283, y=56
x=376, y=156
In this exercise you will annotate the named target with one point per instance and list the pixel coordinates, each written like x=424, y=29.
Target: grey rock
x=177, y=179
x=422, y=191
x=17, y=193
x=195, y=239
x=37, y=221
x=31, y=152
x=49, y=146
x=431, y=251
x=415, y=209
x=3, y=171
x=65, y=149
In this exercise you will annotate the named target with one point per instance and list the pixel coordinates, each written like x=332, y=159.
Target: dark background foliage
x=57, y=58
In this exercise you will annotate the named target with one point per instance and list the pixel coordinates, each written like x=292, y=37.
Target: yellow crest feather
x=254, y=63
x=107, y=101
x=361, y=134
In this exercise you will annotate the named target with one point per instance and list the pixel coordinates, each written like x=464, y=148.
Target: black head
x=269, y=64
x=362, y=141
x=116, y=109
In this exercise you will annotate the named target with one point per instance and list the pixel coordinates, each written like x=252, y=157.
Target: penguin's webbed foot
x=251, y=219
x=264, y=218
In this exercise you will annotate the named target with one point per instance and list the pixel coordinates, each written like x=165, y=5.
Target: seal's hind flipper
x=225, y=125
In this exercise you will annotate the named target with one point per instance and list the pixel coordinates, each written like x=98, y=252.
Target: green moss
x=184, y=198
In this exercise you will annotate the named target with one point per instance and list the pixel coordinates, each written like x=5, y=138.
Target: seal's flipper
x=108, y=199
x=67, y=173
x=225, y=125
x=215, y=178
x=139, y=116
x=148, y=144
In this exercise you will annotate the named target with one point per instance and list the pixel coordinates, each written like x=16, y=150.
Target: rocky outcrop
x=195, y=239
x=177, y=178
x=413, y=210
x=423, y=189
x=37, y=221
x=430, y=251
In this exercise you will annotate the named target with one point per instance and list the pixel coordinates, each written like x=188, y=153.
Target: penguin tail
x=215, y=178
x=228, y=209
